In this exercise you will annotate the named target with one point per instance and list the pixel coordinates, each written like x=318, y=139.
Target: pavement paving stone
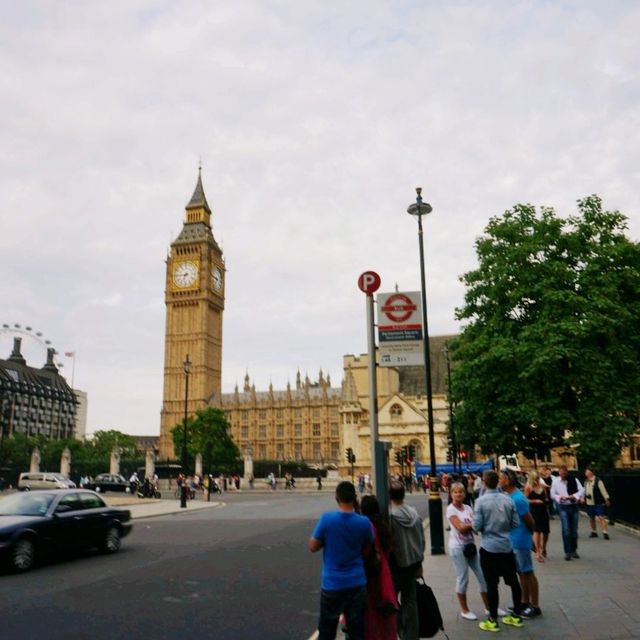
x=593, y=598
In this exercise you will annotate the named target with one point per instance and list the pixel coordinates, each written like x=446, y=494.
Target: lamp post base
x=183, y=495
x=436, y=529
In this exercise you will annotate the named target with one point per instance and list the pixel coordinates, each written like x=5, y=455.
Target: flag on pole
x=70, y=354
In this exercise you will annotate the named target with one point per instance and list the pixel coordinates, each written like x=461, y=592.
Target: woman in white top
x=460, y=516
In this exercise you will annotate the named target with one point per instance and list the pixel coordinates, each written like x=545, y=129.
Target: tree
x=550, y=352
x=208, y=434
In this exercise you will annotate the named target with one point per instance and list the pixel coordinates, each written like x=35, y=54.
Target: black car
x=37, y=523
x=109, y=482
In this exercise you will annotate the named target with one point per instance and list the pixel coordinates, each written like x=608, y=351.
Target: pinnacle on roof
x=198, y=199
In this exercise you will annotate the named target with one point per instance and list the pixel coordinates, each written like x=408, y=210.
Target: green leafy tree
x=550, y=352
x=208, y=434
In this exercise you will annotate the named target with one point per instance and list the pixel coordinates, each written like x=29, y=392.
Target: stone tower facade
x=194, y=299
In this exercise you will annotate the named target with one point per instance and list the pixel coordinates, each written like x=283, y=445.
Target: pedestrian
x=460, y=516
x=382, y=603
x=406, y=559
x=547, y=478
x=319, y=481
x=536, y=493
x=521, y=540
x=344, y=537
x=567, y=493
x=494, y=517
x=597, y=501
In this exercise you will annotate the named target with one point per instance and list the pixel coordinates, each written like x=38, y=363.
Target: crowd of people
x=371, y=562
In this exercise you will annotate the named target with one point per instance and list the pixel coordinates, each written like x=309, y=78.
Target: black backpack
x=429, y=618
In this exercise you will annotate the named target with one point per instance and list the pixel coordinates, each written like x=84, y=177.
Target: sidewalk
x=151, y=508
x=594, y=598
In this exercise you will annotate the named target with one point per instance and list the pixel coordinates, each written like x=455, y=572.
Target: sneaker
x=501, y=612
x=605, y=536
x=489, y=625
x=567, y=556
x=593, y=534
x=575, y=555
x=531, y=612
x=514, y=621
x=468, y=615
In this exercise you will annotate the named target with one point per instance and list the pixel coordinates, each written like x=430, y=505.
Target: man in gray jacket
x=406, y=559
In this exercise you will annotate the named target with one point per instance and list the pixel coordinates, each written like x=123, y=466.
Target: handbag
x=469, y=550
x=429, y=617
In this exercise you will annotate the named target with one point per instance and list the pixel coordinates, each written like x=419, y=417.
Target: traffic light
x=398, y=456
x=412, y=452
x=353, y=458
x=349, y=454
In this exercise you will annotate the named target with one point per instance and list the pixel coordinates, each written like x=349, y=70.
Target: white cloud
x=314, y=123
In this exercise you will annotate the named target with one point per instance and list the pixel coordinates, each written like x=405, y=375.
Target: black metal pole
x=184, y=488
x=454, y=440
x=436, y=528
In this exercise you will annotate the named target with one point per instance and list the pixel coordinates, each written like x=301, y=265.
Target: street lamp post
x=436, y=528
x=186, y=365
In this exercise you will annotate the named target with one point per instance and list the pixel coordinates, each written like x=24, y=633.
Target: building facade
x=194, y=299
x=35, y=402
x=301, y=423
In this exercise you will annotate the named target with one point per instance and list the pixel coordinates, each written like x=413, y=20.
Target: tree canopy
x=208, y=434
x=550, y=350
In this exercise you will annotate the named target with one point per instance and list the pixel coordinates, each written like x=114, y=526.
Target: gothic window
x=317, y=451
x=262, y=431
x=279, y=431
x=316, y=412
x=280, y=452
x=262, y=415
x=395, y=410
x=262, y=452
x=335, y=451
x=335, y=429
x=279, y=413
x=298, y=451
x=297, y=430
x=316, y=429
x=245, y=416
x=244, y=433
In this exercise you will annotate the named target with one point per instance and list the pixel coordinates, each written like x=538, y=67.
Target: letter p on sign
x=369, y=282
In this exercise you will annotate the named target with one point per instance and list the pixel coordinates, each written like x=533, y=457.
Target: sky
x=314, y=123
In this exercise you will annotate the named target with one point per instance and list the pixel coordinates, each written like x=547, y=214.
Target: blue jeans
x=569, y=520
x=352, y=603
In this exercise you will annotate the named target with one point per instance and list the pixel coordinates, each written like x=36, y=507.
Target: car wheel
x=23, y=555
x=112, y=540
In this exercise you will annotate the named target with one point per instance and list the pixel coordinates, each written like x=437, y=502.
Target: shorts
x=595, y=510
x=524, y=563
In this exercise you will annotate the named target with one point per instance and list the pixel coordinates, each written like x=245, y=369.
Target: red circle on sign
x=398, y=307
x=369, y=282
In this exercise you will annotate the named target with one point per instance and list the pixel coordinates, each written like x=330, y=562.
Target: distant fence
x=624, y=489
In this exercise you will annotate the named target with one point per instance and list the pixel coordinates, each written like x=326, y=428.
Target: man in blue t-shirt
x=522, y=540
x=344, y=537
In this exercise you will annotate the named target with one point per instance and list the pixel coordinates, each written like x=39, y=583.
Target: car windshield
x=26, y=504
x=59, y=476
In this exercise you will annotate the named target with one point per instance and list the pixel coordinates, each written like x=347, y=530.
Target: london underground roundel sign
x=399, y=308
x=369, y=282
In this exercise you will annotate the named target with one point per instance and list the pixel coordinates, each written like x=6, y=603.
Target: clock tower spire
x=194, y=300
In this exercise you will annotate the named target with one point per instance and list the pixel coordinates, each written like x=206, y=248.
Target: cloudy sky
x=314, y=121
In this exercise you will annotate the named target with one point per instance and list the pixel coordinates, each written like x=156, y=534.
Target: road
x=233, y=573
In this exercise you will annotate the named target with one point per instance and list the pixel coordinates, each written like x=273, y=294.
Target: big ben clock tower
x=194, y=298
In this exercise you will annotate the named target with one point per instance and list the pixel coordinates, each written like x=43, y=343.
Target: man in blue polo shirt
x=522, y=540
x=344, y=537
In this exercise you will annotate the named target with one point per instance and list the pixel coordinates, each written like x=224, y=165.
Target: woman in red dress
x=382, y=603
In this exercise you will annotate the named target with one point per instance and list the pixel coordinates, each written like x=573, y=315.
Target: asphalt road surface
x=238, y=572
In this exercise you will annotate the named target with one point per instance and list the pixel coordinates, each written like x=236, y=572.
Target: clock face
x=185, y=274
x=216, y=277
